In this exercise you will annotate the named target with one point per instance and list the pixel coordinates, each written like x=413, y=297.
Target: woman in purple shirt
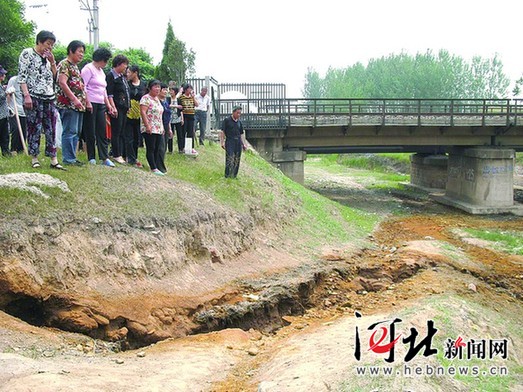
x=94, y=122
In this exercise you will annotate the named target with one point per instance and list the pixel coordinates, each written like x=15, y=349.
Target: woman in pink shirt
x=94, y=122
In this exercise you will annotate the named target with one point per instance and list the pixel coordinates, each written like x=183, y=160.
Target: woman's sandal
x=36, y=165
x=58, y=167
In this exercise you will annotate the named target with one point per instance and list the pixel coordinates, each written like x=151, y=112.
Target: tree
x=517, y=87
x=143, y=60
x=486, y=79
x=313, y=85
x=424, y=75
x=15, y=34
x=177, y=62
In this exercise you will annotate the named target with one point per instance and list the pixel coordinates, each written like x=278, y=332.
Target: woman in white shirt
x=151, y=124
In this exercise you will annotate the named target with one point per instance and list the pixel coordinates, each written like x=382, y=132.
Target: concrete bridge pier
x=428, y=171
x=290, y=162
x=481, y=180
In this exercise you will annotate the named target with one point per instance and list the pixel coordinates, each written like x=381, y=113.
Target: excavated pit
x=391, y=258
x=28, y=309
x=265, y=314
x=246, y=307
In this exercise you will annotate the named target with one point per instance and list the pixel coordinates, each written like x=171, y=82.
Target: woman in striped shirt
x=187, y=99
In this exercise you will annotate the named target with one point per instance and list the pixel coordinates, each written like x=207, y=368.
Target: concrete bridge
x=466, y=147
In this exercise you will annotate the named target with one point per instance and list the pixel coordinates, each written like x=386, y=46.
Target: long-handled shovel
x=20, y=132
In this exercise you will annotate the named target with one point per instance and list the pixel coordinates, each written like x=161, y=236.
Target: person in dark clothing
x=166, y=119
x=132, y=134
x=118, y=95
x=232, y=140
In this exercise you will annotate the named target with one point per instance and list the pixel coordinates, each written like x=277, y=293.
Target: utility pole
x=96, y=29
x=93, y=21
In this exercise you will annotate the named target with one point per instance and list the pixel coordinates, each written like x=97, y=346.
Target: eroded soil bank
x=297, y=312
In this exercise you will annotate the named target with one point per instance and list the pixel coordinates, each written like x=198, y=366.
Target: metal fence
x=198, y=83
x=269, y=113
x=224, y=96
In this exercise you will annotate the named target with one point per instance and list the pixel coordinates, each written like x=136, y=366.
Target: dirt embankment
x=417, y=263
x=421, y=271
x=134, y=282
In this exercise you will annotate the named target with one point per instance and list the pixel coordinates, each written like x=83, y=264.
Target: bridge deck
x=271, y=113
x=344, y=125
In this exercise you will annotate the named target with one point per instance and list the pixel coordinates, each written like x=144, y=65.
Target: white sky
x=275, y=41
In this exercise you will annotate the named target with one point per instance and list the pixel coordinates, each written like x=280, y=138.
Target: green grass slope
x=126, y=194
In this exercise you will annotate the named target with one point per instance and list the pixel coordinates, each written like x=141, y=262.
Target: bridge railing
x=281, y=113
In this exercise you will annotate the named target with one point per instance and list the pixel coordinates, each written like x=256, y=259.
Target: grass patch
x=327, y=221
x=504, y=240
x=121, y=193
x=451, y=251
x=372, y=191
x=498, y=326
x=382, y=162
x=388, y=183
x=358, y=166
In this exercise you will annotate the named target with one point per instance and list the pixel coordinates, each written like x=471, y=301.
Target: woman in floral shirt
x=151, y=126
x=36, y=72
x=71, y=101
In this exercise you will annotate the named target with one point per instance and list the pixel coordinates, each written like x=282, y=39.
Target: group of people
x=151, y=113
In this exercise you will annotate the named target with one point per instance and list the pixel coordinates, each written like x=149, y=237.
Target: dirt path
x=316, y=352
x=416, y=266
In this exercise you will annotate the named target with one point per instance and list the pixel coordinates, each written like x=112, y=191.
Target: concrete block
x=428, y=171
x=289, y=156
x=293, y=170
x=482, y=177
x=489, y=153
x=515, y=209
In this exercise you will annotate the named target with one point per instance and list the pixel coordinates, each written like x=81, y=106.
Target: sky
x=276, y=41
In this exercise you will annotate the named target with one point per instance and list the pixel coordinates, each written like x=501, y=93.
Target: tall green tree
x=313, y=84
x=518, y=87
x=177, y=61
x=486, y=79
x=15, y=34
x=143, y=60
x=424, y=75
